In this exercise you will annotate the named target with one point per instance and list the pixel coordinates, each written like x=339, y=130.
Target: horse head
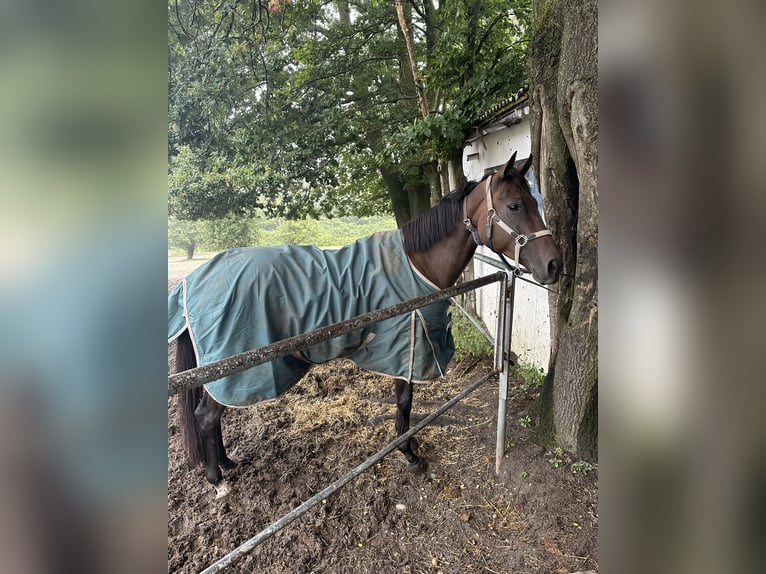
x=514, y=225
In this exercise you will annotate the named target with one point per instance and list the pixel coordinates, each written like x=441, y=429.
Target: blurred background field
x=209, y=236
x=191, y=243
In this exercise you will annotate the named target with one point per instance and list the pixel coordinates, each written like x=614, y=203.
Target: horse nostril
x=554, y=268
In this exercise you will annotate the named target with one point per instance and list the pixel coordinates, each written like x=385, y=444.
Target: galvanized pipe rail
x=499, y=265
x=488, y=260
x=243, y=361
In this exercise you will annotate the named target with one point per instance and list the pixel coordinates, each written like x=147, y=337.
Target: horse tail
x=187, y=402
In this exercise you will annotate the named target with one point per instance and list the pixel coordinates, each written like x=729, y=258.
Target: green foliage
x=296, y=112
x=469, y=342
x=229, y=232
x=525, y=421
x=582, y=467
x=322, y=232
x=360, y=185
x=204, y=187
x=186, y=235
x=532, y=377
x=556, y=455
x=233, y=231
x=477, y=60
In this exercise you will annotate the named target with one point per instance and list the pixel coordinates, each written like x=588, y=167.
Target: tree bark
x=457, y=167
x=443, y=179
x=420, y=192
x=563, y=77
x=400, y=201
x=436, y=182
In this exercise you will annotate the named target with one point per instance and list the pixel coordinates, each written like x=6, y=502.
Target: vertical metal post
x=500, y=325
x=505, y=329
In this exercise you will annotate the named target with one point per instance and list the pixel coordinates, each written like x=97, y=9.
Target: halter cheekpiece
x=492, y=218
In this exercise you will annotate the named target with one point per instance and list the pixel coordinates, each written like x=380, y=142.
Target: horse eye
x=514, y=207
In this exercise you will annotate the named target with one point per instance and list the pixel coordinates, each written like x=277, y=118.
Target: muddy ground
x=539, y=515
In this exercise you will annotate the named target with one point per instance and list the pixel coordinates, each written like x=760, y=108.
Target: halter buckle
x=522, y=240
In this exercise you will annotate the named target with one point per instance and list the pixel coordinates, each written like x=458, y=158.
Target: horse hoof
x=221, y=489
x=418, y=467
x=228, y=464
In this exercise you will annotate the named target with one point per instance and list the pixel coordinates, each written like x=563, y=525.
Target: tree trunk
x=457, y=167
x=563, y=75
x=420, y=192
x=443, y=179
x=344, y=12
x=400, y=201
x=411, y=199
x=190, y=250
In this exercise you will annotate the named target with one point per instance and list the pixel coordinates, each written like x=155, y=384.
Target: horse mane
x=435, y=224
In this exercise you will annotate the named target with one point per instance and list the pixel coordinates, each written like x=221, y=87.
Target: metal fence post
x=505, y=329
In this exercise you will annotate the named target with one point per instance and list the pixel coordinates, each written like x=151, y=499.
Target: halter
x=493, y=217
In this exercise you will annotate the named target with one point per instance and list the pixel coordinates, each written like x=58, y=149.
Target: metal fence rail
x=499, y=265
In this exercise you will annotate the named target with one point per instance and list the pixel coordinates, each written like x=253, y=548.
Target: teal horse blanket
x=246, y=298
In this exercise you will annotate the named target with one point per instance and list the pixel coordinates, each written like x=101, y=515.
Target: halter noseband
x=493, y=217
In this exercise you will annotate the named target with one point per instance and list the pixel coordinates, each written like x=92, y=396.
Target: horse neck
x=446, y=259
x=443, y=262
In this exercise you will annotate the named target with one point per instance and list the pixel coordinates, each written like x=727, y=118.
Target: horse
x=247, y=297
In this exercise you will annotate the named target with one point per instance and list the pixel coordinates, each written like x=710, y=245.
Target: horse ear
x=527, y=165
x=509, y=166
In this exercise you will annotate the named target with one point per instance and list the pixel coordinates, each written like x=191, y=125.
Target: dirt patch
x=458, y=517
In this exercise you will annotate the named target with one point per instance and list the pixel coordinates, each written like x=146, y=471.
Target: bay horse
x=245, y=298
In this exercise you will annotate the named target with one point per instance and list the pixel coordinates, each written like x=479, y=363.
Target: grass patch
x=532, y=377
x=469, y=342
x=179, y=267
x=583, y=467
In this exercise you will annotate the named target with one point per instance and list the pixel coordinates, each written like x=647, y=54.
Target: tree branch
x=415, y=7
x=180, y=22
x=413, y=62
x=335, y=73
x=486, y=33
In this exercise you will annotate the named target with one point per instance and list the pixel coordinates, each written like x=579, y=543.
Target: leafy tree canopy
x=296, y=106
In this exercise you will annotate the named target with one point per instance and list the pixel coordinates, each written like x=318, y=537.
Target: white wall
x=530, y=338
x=496, y=148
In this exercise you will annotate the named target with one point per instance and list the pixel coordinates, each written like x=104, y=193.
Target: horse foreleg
x=403, y=409
x=208, y=414
x=223, y=460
